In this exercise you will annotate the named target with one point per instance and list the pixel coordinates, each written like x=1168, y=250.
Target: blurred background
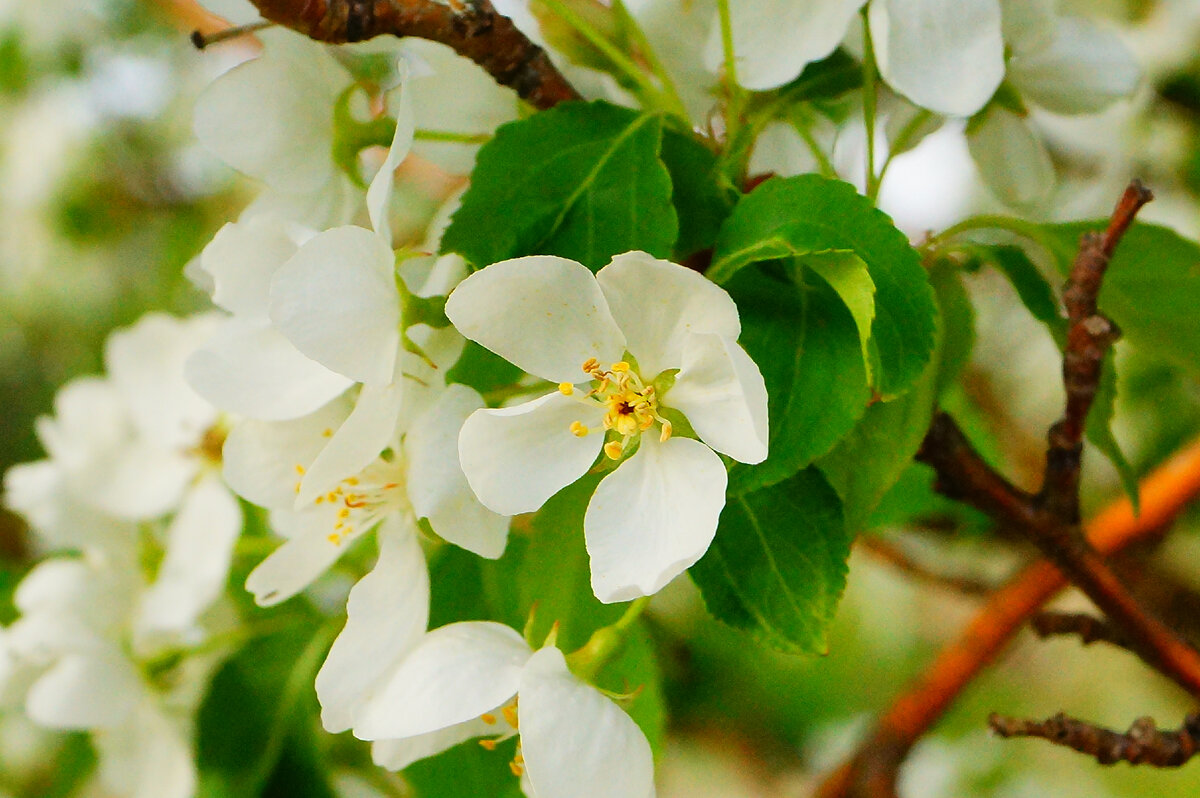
x=105, y=197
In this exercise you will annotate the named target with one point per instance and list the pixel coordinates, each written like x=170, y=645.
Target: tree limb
x=1143, y=744
x=473, y=28
x=1088, y=628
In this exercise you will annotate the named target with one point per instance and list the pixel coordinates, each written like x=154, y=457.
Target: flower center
x=507, y=714
x=630, y=405
x=361, y=501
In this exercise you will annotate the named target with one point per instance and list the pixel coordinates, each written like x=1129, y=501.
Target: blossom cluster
x=321, y=390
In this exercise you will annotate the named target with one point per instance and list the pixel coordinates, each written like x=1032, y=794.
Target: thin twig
x=1088, y=628
x=473, y=28
x=1143, y=744
x=898, y=558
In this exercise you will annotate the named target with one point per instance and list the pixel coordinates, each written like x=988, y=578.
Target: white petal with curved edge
x=1084, y=69
x=658, y=304
x=437, y=486
x=1011, y=158
x=336, y=301
x=199, y=550
x=145, y=364
x=515, y=458
x=294, y=565
x=379, y=193
x=456, y=674
x=653, y=517
x=236, y=12
x=773, y=40
x=138, y=481
x=386, y=616
x=1028, y=25
x=241, y=259
x=399, y=754
x=271, y=117
x=260, y=457
x=249, y=368
x=367, y=431
x=944, y=55
x=84, y=692
x=722, y=393
x=542, y=313
x=147, y=757
x=576, y=742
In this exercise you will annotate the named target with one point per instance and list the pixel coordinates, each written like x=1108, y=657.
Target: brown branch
x=1088, y=628
x=874, y=768
x=473, y=28
x=900, y=560
x=1089, y=337
x=1143, y=744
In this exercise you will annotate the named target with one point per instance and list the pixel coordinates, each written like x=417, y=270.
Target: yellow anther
x=613, y=449
x=626, y=425
x=327, y=433
x=351, y=481
x=566, y=388
x=620, y=367
x=344, y=513
x=517, y=770
x=510, y=715
x=333, y=538
x=590, y=365
x=297, y=487
x=299, y=469
x=320, y=500
x=579, y=430
x=488, y=718
x=488, y=745
x=666, y=432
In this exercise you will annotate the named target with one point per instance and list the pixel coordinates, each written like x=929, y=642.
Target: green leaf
x=1031, y=286
x=702, y=196
x=806, y=345
x=258, y=717
x=958, y=323
x=847, y=274
x=483, y=370
x=582, y=180
x=777, y=566
x=810, y=214
x=466, y=771
x=1098, y=429
x=868, y=461
x=635, y=671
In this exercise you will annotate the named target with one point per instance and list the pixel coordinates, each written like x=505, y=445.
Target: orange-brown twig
x=872, y=772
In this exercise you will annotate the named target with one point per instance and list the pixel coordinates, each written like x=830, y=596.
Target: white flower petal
x=437, y=486
x=399, y=754
x=199, y=550
x=145, y=364
x=944, y=55
x=241, y=259
x=249, y=368
x=147, y=757
x=1028, y=25
x=542, y=313
x=576, y=742
x=456, y=674
x=294, y=565
x=84, y=692
x=260, y=457
x=1083, y=70
x=386, y=616
x=336, y=301
x=1011, y=158
x=773, y=40
x=379, y=193
x=653, y=517
x=722, y=393
x=368, y=430
x=658, y=304
x=270, y=118
x=138, y=481
x=515, y=458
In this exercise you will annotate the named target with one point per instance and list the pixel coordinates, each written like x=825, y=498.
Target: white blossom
x=627, y=347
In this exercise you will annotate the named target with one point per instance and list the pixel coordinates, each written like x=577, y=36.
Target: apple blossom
x=629, y=348
x=481, y=680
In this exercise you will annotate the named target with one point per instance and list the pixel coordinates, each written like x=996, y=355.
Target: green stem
x=619, y=60
x=734, y=105
x=448, y=135
x=606, y=643
x=823, y=162
x=902, y=138
x=1020, y=227
x=669, y=88
x=870, y=78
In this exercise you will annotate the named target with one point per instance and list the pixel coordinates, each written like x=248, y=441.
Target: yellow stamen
x=667, y=429
x=620, y=367
x=488, y=745
x=327, y=433
x=516, y=769
x=488, y=718
x=299, y=469
x=579, y=430
x=566, y=388
x=510, y=715
x=590, y=365
x=613, y=449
